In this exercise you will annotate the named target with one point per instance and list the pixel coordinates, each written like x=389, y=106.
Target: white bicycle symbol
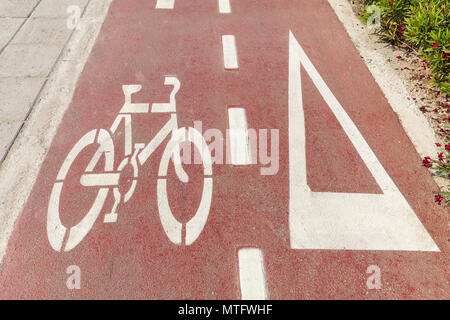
x=108, y=179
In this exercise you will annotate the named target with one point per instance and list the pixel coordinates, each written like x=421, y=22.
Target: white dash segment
x=251, y=274
x=240, y=150
x=230, y=58
x=165, y=4
x=224, y=6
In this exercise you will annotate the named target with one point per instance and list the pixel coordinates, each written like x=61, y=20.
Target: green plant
x=428, y=30
x=423, y=20
x=423, y=25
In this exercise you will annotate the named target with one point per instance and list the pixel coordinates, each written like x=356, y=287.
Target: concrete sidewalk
x=33, y=34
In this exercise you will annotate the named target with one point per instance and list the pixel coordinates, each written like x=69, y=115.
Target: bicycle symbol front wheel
x=172, y=227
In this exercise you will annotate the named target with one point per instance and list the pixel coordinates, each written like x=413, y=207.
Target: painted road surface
x=334, y=204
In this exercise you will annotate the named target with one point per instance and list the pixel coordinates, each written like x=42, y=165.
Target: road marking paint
x=224, y=6
x=55, y=230
x=129, y=107
x=78, y=232
x=165, y=4
x=100, y=179
x=251, y=274
x=171, y=106
x=230, y=58
x=346, y=221
x=171, y=225
x=239, y=138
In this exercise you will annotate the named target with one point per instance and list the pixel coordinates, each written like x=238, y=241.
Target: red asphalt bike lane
x=133, y=257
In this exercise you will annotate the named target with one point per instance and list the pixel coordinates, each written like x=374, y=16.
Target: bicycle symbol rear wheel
x=56, y=231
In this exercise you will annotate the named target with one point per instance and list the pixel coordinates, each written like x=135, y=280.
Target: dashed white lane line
x=251, y=274
x=165, y=4
x=230, y=58
x=224, y=6
x=239, y=137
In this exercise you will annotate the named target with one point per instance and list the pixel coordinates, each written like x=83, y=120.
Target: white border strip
x=165, y=4
x=224, y=6
x=251, y=274
x=239, y=138
x=230, y=58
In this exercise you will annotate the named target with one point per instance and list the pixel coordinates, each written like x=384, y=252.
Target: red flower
x=399, y=57
x=443, y=10
x=447, y=147
x=391, y=3
x=437, y=144
x=426, y=162
x=436, y=44
x=438, y=199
